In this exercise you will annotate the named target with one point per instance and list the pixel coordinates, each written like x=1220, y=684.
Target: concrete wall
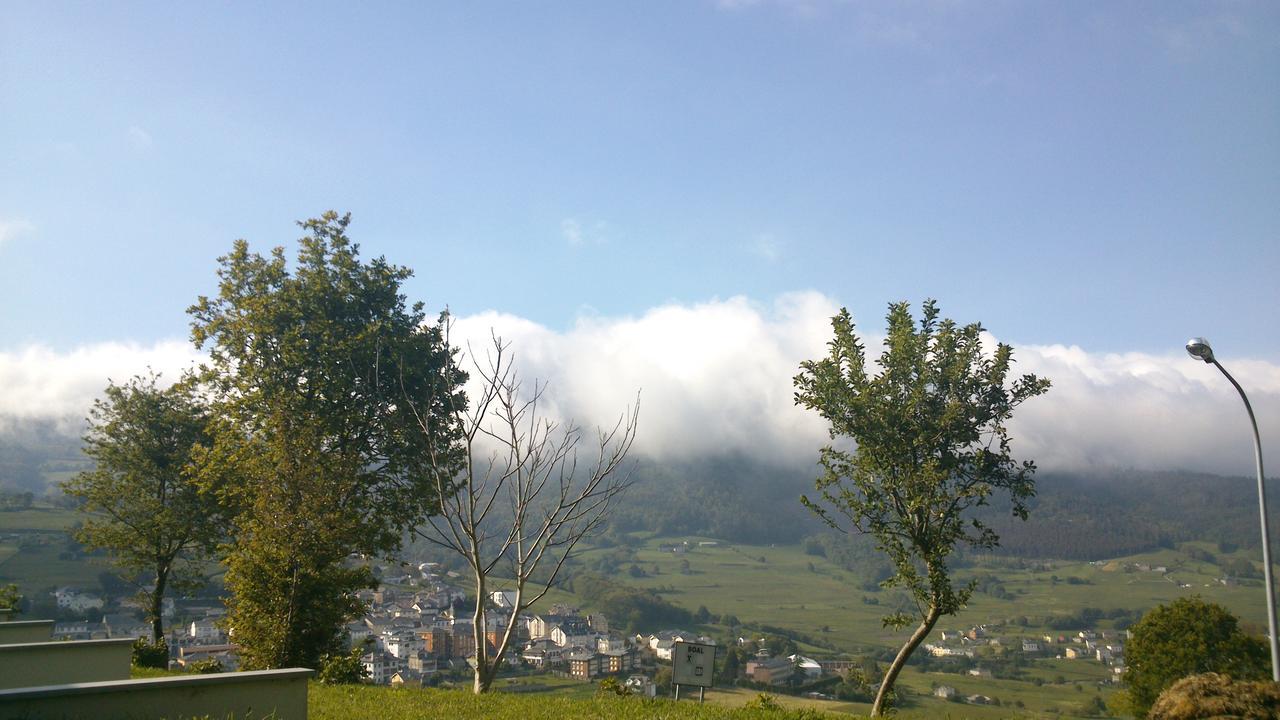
x=25, y=631
x=241, y=694
x=55, y=663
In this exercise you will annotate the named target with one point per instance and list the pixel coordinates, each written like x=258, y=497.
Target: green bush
x=150, y=655
x=343, y=669
x=206, y=667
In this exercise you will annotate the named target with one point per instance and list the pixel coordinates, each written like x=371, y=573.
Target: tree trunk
x=157, y=606
x=913, y=642
x=483, y=676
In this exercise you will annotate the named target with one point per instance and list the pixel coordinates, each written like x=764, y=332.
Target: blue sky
x=1100, y=176
x=1057, y=171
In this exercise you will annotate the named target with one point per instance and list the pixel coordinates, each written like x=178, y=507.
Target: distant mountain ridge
x=1075, y=515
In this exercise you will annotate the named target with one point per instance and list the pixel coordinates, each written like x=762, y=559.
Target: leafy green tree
x=324, y=381
x=1187, y=637
x=931, y=443
x=10, y=597
x=142, y=501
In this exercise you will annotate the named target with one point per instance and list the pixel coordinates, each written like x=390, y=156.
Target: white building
x=76, y=601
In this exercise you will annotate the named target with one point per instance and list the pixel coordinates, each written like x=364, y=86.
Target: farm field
x=784, y=587
x=37, y=552
x=774, y=585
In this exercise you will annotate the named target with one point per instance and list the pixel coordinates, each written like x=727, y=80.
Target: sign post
x=693, y=664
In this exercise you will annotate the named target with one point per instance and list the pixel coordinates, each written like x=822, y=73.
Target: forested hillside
x=1081, y=516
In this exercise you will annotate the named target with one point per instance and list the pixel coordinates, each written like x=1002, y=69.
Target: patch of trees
x=1089, y=617
x=855, y=553
x=628, y=607
x=729, y=497
x=1187, y=637
x=1115, y=513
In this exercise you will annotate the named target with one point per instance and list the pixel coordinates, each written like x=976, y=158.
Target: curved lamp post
x=1199, y=349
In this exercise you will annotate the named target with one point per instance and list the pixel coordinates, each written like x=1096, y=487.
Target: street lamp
x=1199, y=349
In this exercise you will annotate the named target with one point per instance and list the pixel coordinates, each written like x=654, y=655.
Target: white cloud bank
x=716, y=376
x=38, y=383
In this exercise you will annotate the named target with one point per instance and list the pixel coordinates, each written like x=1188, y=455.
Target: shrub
x=206, y=667
x=150, y=655
x=343, y=668
x=1215, y=696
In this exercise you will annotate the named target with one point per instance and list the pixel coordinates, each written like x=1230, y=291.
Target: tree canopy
x=914, y=447
x=1188, y=637
x=324, y=380
x=143, y=503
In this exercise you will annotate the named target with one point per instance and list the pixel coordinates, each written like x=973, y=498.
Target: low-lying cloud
x=715, y=377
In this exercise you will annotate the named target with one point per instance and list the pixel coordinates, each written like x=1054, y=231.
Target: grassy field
x=775, y=585
x=37, y=552
x=785, y=587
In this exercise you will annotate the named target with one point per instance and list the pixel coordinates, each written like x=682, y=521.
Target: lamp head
x=1199, y=349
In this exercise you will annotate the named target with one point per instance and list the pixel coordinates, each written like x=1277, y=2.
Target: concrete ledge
x=281, y=694
x=25, y=631
x=50, y=663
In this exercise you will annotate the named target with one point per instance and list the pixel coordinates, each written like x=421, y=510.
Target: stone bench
x=281, y=694
x=52, y=663
x=25, y=631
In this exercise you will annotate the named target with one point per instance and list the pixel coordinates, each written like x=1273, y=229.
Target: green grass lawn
x=358, y=702
x=38, y=518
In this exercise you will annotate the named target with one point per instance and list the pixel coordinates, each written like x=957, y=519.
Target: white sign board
x=693, y=664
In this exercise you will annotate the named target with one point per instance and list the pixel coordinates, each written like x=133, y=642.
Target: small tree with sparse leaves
x=915, y=445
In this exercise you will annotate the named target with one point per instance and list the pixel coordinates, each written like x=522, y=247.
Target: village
x=418, y=631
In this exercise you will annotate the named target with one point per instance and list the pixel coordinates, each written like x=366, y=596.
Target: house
x=1073, y=653
x=642, y=686
x=663, y=649
x=402, y=644
x=503, y=598
x=946, y=692
x=206, y=631
x=380, y=666
x=422, y=664
x=584, y=665
x=980, y=672
x=570, y=633
x=543, y=654
x=1029, y=646
x=125, y=626
x=617, y=661
x=808, y=666
x=978, y=700
x=772, y=671
x=72, y=599
x=540, y=626
x=79, y=630
x=606, y=643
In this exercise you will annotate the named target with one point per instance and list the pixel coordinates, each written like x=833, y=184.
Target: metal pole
x=1266, y=532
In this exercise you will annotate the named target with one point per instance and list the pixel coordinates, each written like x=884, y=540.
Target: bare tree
x=522, y=502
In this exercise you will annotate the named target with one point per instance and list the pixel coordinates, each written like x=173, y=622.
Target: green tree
x=1187, y=637
x=10, y=597
x=929, y=442
x=142, y=501
x=323, y=381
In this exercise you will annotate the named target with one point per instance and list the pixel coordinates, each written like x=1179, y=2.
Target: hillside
x=1077, y=516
